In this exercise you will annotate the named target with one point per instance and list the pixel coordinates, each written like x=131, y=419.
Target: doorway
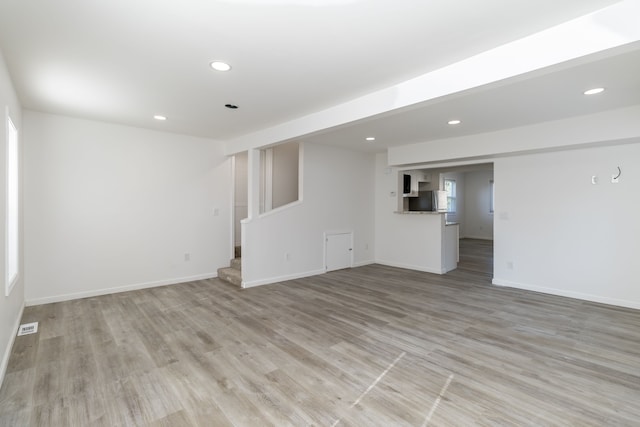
x=476, y=255
x=470, y=204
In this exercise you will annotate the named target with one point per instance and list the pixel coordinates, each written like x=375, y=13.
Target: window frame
x=12, y=200
x=452, y=196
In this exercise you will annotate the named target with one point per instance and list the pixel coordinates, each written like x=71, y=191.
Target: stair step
x=231, y=275
x=236, y=263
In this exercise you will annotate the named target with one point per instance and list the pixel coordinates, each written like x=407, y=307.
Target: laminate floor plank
x=373, y=345
x=476, y=255
x=194, y=389
x=16, y=395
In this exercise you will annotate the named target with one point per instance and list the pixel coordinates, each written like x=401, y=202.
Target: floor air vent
x=28, y=328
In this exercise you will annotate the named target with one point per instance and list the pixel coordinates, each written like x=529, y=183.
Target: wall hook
x=619, y=173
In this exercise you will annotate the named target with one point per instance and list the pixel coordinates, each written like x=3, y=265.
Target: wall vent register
x=28, y=328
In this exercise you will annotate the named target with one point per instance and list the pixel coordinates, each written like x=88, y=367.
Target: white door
x=338, y=251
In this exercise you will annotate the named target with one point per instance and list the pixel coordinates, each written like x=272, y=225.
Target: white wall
x=285, y=174
x=337, y=196
x=404, y=240
x=11, y=306
x=111, y=208
x=478, y=218
x=556, y=232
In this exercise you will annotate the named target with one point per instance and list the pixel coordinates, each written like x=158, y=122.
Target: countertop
x=420, y=212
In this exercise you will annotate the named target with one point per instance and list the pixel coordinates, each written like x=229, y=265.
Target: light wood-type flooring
x=369, y=346
x=476, y=255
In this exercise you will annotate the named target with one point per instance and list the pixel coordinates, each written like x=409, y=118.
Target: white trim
x=411, y=267
x=11, y=277
x=277, y=279
x=300, y=171
x=363, y=263
x=477, y=237
x=568, y=294
x=118, y=289
x=267, y=180
x=7, y=352
x=232, y=202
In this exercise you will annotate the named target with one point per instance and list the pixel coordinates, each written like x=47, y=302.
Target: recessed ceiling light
x=220, y=66
x=159, y=117
x=594, y=91
x=231, y=106
x=370, y=138
x=454, y=122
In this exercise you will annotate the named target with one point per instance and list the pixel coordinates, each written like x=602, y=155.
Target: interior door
x=338, y=251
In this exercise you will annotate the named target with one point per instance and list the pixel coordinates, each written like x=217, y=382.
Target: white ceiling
x=123, y=61
x=549, y=94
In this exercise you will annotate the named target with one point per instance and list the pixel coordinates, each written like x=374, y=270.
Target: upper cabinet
x=414, y=181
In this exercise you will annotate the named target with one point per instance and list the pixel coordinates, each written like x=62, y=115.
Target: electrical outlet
x=286, y=256
x=509, y=265
x=187, y=257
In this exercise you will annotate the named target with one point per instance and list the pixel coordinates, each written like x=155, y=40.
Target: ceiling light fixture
x=594, y=91
x=370, y=138
x=220, y=66
x=454, y=122
x=159, y=117
x=231, y=106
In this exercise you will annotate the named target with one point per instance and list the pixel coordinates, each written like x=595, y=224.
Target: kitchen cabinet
x=419, y=181
x=429, y=242
x=451, y=252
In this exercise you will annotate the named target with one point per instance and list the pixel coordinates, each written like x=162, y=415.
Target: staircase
x=233, y=274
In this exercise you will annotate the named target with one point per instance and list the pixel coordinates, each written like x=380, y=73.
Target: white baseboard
x=477, y=237
x=412, y=267
x=270, y=280
x=7, y=352
x=117, y=289
x=569, y=294
x=363, y=263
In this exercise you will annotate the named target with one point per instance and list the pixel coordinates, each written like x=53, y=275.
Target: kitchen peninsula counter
x=420, y=212
x=430, y=241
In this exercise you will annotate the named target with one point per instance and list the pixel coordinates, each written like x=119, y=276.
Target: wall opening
x=279, y=176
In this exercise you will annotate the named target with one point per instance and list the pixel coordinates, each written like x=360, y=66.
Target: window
x=450, y=188
x=491, y=195
x=12, y=261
